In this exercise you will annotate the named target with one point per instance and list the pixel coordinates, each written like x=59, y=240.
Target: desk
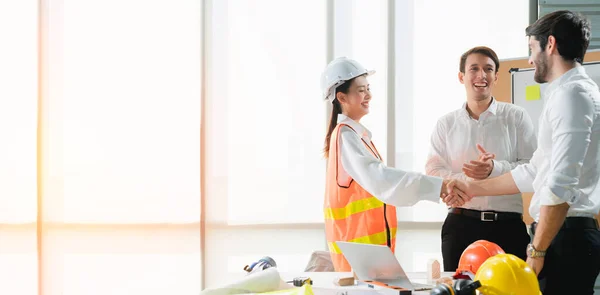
x=325, y=280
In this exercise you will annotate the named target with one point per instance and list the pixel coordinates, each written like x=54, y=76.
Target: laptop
x=377, y=263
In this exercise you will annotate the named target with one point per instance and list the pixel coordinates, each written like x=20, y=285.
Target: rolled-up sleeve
x=390, y=185
x=524, y=175
x=571, y=116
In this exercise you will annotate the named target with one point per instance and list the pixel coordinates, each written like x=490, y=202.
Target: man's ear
x=461, y=77
x=551, y=45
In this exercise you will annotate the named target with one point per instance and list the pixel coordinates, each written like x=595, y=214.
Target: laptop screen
x=374, y=263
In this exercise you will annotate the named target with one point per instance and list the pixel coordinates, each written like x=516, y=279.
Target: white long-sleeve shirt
x=503, y=129
x=566, y=165
x=390, y=185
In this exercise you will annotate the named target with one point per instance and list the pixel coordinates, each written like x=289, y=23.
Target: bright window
x=18, y=130
x=121, y=121
x=269, y=130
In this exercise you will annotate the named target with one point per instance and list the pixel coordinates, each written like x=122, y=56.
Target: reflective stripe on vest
x=376, y=239
x=353, y=208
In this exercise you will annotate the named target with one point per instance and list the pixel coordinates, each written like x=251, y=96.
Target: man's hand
x=454, y=193
x=482, y=167
x=536, y=264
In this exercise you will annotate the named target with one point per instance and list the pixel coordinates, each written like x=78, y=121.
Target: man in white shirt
x=565, y=169
x=456, y=152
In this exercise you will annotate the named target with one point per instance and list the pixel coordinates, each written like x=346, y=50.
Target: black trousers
x=459, y=231
x=572, y=263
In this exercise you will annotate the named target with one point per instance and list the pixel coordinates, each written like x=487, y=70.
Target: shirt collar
x=359, y=128
x=493, y=108
x=552, y=86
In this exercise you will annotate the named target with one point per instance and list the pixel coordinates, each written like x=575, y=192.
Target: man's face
x=539, y=59
x=479, y=77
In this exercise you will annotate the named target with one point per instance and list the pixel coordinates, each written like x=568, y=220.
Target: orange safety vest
x=351, y=213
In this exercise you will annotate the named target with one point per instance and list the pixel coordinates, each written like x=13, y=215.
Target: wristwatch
x=533, y=252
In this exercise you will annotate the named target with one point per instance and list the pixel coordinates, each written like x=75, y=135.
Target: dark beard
x=541, y=70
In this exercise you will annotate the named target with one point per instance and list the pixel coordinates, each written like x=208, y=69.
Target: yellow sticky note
x=532, y=92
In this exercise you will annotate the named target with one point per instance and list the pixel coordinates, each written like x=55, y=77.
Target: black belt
x=486, y=215
x=573, y=223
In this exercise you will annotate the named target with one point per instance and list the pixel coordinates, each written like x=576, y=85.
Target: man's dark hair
x=481, y=50
x=571, y=30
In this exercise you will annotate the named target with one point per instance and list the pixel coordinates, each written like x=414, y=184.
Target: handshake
x=455, y=192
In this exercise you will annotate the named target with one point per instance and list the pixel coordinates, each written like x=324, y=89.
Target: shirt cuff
x=430, y=188
x=521, y=179
x=548, y=198
x=497, y=170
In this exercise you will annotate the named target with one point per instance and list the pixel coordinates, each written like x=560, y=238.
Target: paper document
x=265, y=281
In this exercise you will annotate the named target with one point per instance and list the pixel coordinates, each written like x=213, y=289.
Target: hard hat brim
x=330, y=96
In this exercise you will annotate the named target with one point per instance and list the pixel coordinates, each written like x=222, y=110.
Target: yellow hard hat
x=507, y=274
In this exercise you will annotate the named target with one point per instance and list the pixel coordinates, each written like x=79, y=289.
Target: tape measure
x=301, y=281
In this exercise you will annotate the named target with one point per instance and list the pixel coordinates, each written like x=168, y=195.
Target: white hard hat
x=337, y=72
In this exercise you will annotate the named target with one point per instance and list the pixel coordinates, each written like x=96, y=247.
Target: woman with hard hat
x=361, y=191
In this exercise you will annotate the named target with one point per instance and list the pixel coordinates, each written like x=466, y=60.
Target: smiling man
x=457, y=152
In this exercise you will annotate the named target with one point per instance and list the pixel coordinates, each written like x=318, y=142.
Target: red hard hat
x=475, y=255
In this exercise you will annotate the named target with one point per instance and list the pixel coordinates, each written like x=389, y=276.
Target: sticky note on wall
x=532, y=92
